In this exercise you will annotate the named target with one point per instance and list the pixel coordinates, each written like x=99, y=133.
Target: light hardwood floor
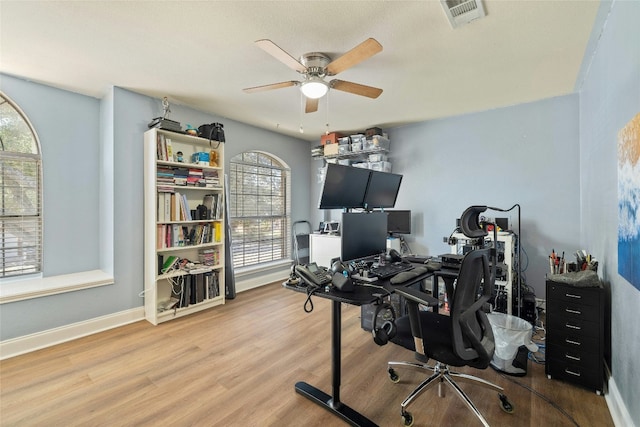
x=236, y=365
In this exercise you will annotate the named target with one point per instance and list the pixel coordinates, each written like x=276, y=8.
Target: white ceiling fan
x=315, y=66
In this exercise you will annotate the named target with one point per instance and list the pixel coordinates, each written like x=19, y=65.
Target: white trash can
x=510, y=333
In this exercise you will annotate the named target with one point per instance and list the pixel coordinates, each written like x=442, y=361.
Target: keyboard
x=389, y=270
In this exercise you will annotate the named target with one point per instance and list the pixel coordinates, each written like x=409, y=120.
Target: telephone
x=313, y=275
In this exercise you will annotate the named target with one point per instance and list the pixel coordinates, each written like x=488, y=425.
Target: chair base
x=441, y=374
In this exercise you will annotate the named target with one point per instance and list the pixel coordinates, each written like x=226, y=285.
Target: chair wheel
x=407, y=419
x=393, y=376
x=505, y=404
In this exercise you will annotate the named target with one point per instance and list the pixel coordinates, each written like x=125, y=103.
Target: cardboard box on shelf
x=331, y=138
x=331, y=149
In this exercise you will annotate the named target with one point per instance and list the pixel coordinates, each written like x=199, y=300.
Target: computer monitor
x=399, y=222
x=363, y=235
x=344, y=187
x=382, y=190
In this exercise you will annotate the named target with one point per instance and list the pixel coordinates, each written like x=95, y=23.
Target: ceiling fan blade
x=356, y=88
x=270, y=87
x=277, y=52
x=312, y=105
x=364, y=50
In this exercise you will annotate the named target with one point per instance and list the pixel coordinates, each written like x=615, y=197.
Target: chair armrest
x=418, y=296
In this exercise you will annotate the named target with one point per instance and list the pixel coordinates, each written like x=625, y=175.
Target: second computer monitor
x=399, y=222
x=363, y=235
x=382, y=190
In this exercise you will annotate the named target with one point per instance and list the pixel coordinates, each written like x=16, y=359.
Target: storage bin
x=380, y=166
x=378, y=142
x=364, y=165
x=317, y=151
x=377, y=157
x=344, y=148
x=358, y=138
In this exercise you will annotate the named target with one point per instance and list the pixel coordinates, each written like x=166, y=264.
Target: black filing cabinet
x=575, y=334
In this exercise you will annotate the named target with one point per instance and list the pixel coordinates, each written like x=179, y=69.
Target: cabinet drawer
x=586, y=359
x=573, y=295
x=572, y=340
x=590, y=378
x=561, y=325
x=574, y=310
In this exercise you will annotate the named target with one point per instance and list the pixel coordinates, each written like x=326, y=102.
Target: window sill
x=20, y=290
x=261, y=268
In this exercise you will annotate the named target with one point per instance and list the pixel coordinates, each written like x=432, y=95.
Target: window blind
x=20, y=214
x=259, y=209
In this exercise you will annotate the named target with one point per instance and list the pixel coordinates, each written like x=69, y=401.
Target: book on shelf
x=217, y=231
x=212, y=284
x=210, y=256
x=169, y=146
x=176, y=235
x=213, y=203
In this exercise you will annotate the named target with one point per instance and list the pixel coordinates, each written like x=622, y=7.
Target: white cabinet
x=323, y=248
x=183, y=221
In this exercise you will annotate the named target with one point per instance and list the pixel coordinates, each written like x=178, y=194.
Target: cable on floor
x=543, y=397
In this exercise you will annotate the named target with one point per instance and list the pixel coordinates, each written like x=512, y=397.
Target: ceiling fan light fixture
x=314, y=88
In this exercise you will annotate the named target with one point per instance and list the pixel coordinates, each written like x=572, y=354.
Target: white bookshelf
x=174, y=228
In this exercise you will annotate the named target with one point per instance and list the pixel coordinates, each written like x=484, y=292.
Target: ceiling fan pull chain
x=302, y=103
x=327, y=122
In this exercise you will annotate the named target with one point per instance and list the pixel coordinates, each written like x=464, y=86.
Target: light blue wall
x=68, y=127
x=526, y=154
x=93, y=194
x=609, y=99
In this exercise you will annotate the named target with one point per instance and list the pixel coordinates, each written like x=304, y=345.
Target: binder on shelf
x=169, y=264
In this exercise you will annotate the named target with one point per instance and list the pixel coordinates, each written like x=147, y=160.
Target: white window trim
x=24, y=289
x=262, y=267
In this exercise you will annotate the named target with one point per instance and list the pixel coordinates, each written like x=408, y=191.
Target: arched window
x=259, y=206
x=21, y=197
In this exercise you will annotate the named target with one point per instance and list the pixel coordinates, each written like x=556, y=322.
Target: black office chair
x=462, y=338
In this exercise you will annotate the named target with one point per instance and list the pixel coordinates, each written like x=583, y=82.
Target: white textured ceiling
x=202, y=54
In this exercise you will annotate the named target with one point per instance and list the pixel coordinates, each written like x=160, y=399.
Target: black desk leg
x=332, y=403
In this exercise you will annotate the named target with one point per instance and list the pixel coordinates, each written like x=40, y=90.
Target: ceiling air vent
x=462, y=12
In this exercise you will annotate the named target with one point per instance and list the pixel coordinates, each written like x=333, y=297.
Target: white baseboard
x=28, y=343
x=25, y=344
x=617, y=408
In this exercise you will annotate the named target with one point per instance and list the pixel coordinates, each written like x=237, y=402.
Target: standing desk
x=361, y=295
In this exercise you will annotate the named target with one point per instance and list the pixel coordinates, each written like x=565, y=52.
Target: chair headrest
x=470, y=222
